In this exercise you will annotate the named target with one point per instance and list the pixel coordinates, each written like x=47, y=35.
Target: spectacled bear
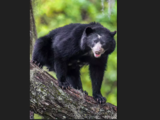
x=65, y=50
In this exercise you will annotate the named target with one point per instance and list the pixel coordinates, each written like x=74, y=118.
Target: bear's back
x=66, y=30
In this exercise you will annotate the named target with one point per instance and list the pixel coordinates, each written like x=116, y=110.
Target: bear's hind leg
x=41, y=51
x=39, y=64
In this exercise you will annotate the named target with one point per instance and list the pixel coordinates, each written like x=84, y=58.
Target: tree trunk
x=50, y=101
x=33, y=33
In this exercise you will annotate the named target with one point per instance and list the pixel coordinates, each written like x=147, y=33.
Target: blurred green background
x=51, y=14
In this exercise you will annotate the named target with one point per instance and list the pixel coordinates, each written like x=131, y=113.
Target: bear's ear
x=113, y=33
x=88, y=31
x=83, y=41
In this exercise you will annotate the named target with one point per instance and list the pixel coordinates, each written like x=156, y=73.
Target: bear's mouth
x=97, y=54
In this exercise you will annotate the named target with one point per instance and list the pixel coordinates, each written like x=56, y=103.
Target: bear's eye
x=95, y=41
x=92, y=45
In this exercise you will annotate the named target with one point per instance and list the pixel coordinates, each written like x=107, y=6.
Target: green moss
x=36, y=116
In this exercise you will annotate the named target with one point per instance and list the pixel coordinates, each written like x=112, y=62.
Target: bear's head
x=99, y=40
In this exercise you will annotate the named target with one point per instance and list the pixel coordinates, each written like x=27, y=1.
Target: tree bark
x=50, y=101
x=33, y=33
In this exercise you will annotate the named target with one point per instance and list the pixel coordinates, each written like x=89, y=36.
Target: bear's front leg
x=73, y=77
x=96, y=74
x=61, y=71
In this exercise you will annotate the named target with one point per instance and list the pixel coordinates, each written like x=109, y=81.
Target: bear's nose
x=97, y=52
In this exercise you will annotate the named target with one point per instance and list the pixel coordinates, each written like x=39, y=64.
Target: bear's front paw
x=64, y=85
x=99, y=98
x=85, y=92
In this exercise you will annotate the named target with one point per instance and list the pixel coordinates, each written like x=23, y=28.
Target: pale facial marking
x=97, y=50
x=97, y=47
x=99, y=36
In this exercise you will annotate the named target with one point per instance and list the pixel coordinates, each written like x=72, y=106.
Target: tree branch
x=50, y=101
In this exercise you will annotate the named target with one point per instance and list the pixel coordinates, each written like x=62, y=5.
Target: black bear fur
x=67, y=49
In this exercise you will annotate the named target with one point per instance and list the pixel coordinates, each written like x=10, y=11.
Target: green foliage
x=51, y=14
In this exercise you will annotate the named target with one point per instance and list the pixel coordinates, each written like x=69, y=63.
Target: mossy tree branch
x=50, y=101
